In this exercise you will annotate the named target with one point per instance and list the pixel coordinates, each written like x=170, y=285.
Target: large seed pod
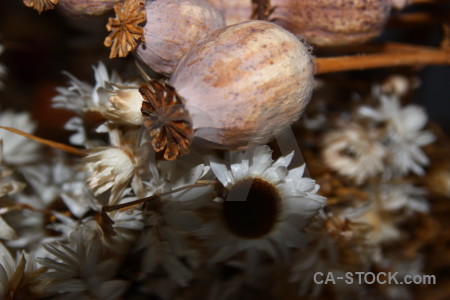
x=235, y=11
x=244, y=83
x=172, y=28
x=331, y=22
x=85, y=8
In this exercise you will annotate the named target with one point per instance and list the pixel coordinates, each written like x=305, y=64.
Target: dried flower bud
x=330, y=22
x=124, y=106
x=172, y=28
x=235, y=11
x=251, y=80
x=85, y=8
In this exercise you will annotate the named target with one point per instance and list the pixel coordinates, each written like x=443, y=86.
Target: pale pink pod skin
x=86, y=8
x=244, y=83
x=172, y=28
x=328, y=23
x=235, y=11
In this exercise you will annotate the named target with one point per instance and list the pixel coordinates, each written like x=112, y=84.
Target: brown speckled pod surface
x=332, y=22
x=235, y=11
x=85, y=8
x=244, y=83
x=172, y=28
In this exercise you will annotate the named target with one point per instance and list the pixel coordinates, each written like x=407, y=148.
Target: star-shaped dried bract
x=125, y=29
x=168, y=120
x=41, y=5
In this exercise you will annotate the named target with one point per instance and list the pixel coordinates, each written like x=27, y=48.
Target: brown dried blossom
x=351, y=239
x=168, y=120
x=41, y=5
x=125, y=29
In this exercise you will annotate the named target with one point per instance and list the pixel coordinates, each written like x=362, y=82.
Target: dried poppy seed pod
x=85, y=8
x=172, y=28
x=235, y=11
x=251, y=80
x=332, y=23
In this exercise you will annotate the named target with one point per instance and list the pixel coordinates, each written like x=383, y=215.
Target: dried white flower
x=404, y=137
x=17, y=279
x=29, y=227
x=265, y=205
x=392, y=197
x=116, y=234
x=81, y=271
x=124, y=106
x=6, y=232
x=80, y=96
x=18, y=150
x=397, y=85
x=338, y=244
x=109, y=168
x=353, y=152
x=8, y=186
x=169, y=221
x=84, y=99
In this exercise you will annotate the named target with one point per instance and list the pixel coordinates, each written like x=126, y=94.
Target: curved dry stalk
x=199, y=183
x=427, y=1
x=396, y=55
x=55, y=145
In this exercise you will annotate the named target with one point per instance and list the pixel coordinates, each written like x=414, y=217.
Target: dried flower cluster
x=143, y=206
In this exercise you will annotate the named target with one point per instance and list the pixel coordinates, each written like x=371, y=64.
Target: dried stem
x=428, y=1
x=418, y=18
x=199, y=183
x=397, y=55
x=23, y=206
x=56, y=145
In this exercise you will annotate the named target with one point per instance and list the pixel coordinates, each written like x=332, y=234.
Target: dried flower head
x=124, y=106
x=84, y=270
x=109, y=168
x=17, y=150
x=18, y=279
x=8, y=186
x=125, y=29
x=265, y=205
x=338, y=243
x=41, y=5
x=168, y=120
x=404, y=136
x=353, y=152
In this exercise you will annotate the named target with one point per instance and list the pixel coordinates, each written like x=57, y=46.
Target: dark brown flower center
x=251, y=208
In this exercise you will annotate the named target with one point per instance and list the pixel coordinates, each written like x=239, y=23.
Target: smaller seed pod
x=235, y=11
x=234, y=89
x=172, y=28
x=86, y=8
x=332, y=23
